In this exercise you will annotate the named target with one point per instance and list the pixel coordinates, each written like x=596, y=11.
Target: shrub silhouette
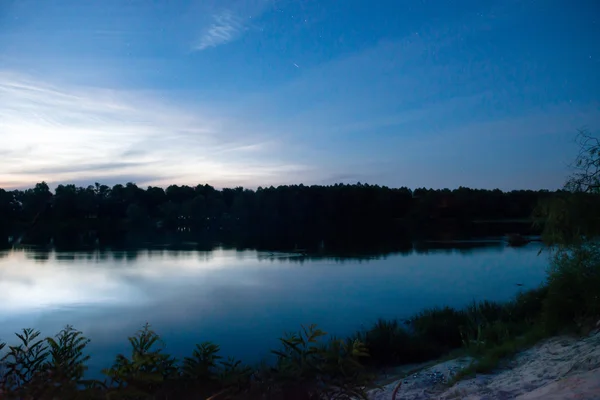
x=24, y=365
x=573, y=293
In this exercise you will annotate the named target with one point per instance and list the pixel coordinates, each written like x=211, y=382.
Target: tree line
x=285, y=217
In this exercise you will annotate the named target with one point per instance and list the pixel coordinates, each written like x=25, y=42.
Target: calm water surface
x=243, y=300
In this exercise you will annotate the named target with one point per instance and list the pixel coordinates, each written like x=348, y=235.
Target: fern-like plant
x=202, y=365
x=200, y=372
x=144, y=374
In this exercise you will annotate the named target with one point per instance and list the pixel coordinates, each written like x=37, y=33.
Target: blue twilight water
x=243, y=300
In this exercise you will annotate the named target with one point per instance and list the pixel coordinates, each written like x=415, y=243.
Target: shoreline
x=561, y=367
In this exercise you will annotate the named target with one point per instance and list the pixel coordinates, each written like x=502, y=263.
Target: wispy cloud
x=225, y=27
x=83, y=166
x=228, y=21
x=77, y=133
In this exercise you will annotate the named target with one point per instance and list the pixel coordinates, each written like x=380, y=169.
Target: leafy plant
x=204, y=373
x=234, y=376
x=24, y=364
x=202, y=365
x=307, y=369
x=145, y=373
x=298, y=360
x=66, y=366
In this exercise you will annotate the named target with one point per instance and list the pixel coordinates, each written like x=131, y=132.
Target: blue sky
x=266, y=92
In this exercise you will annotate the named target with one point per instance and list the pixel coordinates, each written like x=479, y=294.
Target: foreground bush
x=573, y=292
x=388, y=342
x=439, y=328
x=307, y=368
x=435, y=332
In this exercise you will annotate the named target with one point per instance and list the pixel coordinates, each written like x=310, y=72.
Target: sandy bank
x=558, y=368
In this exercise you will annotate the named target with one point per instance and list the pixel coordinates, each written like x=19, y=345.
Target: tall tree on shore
x=573, y=217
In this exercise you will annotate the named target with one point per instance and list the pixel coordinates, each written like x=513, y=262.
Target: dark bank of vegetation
x=337, y=218
x=311, y=366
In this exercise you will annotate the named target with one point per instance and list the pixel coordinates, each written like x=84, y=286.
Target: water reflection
x=236, y=297
x=427, y=247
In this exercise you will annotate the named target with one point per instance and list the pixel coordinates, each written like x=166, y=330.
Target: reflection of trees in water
x=301, y=259
x=205, y=253
x=461, y=247
x=120, y=256
x=348, y=244
x=59, y=256
x=128, y=255
x=450, y=247
x=38, y=255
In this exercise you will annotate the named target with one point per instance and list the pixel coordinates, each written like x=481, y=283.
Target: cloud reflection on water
x=235, y=298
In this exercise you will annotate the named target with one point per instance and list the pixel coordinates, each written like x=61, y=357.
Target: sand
x=558, y=368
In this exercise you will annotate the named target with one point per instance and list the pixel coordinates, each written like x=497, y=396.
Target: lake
x=245, y=300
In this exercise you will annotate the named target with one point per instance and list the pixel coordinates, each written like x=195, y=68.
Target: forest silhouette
x=338, y=218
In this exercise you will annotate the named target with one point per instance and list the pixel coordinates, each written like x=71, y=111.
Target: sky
x=419, y=93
